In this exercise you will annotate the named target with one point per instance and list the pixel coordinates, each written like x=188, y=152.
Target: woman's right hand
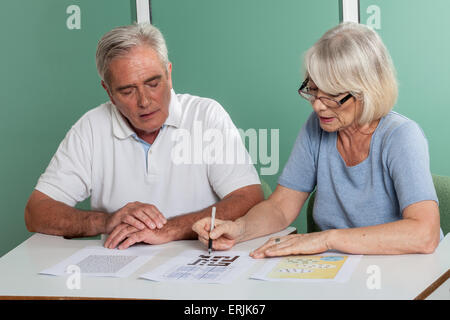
x=225, y=234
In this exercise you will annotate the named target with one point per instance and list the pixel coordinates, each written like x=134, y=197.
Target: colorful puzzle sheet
x=312, y=268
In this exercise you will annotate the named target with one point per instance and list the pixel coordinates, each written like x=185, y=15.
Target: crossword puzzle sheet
x=199, y=266
x=313, y=268
x=97, y=261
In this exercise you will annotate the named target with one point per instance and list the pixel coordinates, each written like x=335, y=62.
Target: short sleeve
x=68, y=175
x=300, y=171
x=408, y=162
x=230, y=167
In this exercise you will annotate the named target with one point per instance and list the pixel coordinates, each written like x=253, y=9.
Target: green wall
x=246, y=54
x=48, y=80
x=416, y=33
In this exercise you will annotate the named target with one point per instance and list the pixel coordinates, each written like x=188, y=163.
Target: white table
x=402, y=276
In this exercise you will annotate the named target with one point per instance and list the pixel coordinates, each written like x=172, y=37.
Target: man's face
x=139, y=86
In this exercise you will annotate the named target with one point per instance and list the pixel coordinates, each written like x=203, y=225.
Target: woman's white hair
x=352, y=58
x=119, y=41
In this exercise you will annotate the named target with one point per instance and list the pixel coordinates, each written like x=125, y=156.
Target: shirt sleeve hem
x=55, y=193
x=413, y=201
x=292, y=186
x=230, y=187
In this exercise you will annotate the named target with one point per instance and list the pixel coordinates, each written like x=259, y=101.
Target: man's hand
x=138, y=215
x=232, y=206
x=125, y=236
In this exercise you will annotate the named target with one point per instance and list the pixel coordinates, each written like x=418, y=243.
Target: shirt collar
x=174, y=118
x=122, y=130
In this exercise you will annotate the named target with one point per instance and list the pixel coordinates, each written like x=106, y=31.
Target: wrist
x=330, y=236
x=241, y=229
x=87, y=224
x=169, y=232
x=177, y=229
x=102, y=223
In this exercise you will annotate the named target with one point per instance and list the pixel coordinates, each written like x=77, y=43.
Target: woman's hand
x=225, y=234
x=310, y=243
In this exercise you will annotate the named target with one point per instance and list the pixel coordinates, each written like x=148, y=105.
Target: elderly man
x=121, y=155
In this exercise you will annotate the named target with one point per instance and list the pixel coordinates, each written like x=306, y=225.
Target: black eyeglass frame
x=339, y=102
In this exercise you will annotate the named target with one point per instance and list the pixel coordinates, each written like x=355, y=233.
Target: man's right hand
x=137, y=214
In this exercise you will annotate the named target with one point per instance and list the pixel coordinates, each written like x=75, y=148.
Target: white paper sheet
x=97, y=261
x=309, y=268
x=199, y=266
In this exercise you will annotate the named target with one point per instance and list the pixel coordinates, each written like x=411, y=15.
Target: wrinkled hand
x=137, y=214
x=310, y=243
x=225, y=234
x=125, y=236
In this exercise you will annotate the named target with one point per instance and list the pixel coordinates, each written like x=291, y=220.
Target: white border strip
x=350, y=10
x=142, y=11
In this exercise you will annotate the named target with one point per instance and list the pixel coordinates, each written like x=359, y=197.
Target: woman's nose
x=318, y=105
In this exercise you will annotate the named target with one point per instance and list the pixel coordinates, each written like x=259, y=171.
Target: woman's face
x=335, y=119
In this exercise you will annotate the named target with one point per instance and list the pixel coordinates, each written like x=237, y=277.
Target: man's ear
x=107, y=91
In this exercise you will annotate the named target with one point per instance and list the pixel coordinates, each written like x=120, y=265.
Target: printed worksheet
x=97, y=261
x=199, y=266
x=311, y=268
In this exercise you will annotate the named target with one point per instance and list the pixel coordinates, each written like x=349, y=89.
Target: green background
x=246, y=54
x=48, y=79
x=417, y=34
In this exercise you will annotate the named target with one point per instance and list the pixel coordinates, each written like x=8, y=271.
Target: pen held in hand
x=213, y=217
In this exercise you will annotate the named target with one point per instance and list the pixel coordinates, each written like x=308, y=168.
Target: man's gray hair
x=119, y=41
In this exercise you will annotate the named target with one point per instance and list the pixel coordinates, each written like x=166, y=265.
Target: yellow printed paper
x=308, y=267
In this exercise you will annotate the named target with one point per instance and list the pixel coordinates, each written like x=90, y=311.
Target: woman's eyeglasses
x=305, y=92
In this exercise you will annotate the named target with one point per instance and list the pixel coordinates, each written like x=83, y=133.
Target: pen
x=213, y=217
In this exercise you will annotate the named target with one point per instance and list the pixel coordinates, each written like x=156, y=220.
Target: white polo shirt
x=101, y=158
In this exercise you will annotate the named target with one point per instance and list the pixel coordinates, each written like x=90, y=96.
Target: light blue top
x=394, y=175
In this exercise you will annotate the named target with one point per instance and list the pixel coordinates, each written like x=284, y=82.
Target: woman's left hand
x=309, y=243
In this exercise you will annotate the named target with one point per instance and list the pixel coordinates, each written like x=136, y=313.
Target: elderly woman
x=368, y=164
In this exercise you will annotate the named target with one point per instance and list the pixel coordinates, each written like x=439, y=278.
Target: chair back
x=442, y=186
x=310, y=224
